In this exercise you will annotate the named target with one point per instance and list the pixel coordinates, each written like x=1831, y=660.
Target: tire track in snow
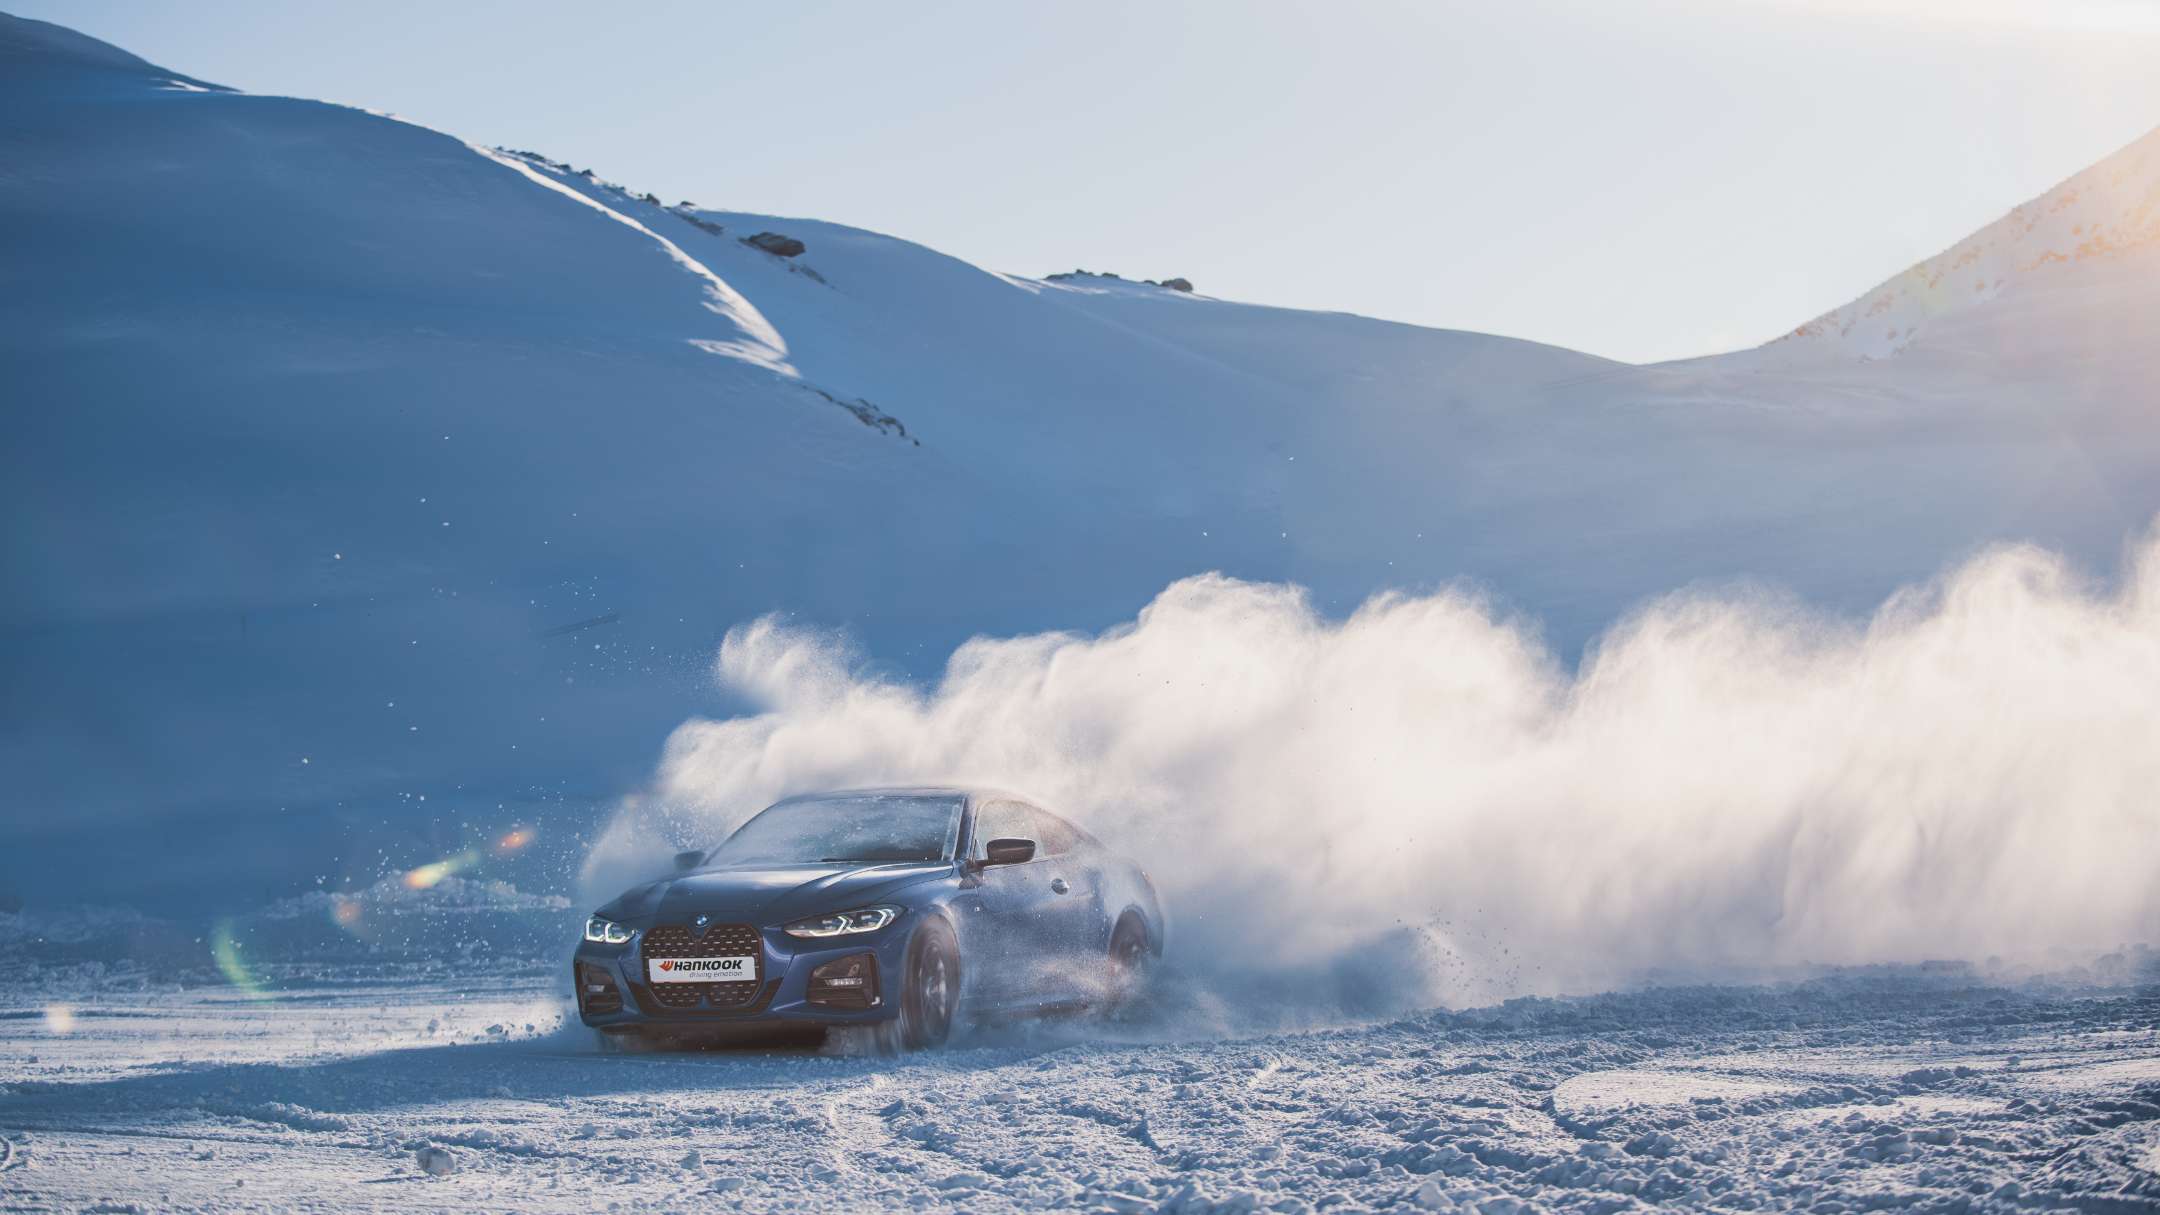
x=853, y=1128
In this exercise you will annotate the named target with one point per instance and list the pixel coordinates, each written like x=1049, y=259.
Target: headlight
x=603, y=931
x=868, y=919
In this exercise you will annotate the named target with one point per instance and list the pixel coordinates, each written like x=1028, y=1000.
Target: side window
x=1000, y=821
x=1053, y=835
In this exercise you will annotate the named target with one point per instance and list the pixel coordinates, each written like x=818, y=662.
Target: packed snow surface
x=1908, y=1090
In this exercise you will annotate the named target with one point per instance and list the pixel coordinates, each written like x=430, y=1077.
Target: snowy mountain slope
x=40, y=47
x=2107, y=213
x=238, y=486
x=368, y=491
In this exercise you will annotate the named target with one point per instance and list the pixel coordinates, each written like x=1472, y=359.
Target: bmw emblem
x=701, y=923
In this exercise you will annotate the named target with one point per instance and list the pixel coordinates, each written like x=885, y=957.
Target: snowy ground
x=1912, y=1090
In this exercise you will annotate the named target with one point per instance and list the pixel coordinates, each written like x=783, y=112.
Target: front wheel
x=929, y=992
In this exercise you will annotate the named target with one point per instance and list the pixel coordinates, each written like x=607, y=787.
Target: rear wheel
x=929, y=994
x=1130, y=958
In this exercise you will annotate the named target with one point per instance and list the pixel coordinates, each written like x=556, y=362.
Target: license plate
x=701, y=970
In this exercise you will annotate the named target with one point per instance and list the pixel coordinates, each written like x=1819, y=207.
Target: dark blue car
x=894, y=910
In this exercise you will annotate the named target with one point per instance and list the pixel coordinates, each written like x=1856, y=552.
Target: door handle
x=1058, y=886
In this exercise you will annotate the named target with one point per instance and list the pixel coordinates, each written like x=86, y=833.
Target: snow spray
x=1422, y=804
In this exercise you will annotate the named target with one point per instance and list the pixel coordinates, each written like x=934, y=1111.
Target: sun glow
x=2087, y=16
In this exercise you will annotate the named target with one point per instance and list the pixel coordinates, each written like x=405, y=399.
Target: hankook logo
x=707, y=966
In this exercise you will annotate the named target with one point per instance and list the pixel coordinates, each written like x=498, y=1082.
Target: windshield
x=863, y=828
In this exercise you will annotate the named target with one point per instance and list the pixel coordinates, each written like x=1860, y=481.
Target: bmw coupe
x=893, y=912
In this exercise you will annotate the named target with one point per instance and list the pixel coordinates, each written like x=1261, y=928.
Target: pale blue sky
x=1637, y=180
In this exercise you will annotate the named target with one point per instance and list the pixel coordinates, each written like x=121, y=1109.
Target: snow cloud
x=1423, y=804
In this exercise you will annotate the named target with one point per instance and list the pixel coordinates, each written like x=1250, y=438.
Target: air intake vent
x=596, y=991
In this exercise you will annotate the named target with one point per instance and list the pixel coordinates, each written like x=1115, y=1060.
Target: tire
x=1131, y=959
x=929, y=995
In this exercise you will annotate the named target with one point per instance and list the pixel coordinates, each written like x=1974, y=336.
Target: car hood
x=766, y=895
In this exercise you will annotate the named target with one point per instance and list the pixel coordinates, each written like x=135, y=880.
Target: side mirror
x=689, y=860
x=1008, y=852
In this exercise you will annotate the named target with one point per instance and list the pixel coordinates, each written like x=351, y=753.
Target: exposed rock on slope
x=775, y=244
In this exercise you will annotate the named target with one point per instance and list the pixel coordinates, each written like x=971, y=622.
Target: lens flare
x=513, y=840
x=59, y=1019
x=428, y=876
x=225, y=951
x=345, y=911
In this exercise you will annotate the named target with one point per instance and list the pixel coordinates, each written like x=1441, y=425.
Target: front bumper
x=783, y=995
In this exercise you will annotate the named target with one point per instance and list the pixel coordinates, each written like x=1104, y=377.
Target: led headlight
x=603, y=931
x=843, y=923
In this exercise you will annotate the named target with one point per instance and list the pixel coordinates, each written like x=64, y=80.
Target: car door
x=1008, y=959
x=1073, y=927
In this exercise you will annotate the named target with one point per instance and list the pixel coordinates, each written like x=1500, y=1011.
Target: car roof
x=971, y=792
x=975, y=795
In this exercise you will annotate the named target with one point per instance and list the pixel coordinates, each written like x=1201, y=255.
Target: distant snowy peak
x=2110, y=209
